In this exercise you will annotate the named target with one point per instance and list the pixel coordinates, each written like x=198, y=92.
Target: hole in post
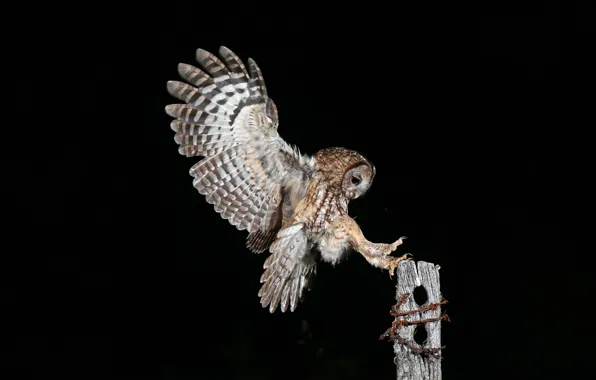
x=420, y=295
x=420, y=334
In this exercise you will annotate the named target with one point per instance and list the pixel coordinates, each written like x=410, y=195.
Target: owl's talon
x=397, y=243
x=394, y=262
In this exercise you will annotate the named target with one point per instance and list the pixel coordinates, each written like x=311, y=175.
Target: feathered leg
x=377, y=254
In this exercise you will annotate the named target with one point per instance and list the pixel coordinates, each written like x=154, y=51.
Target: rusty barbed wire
x=398, y=323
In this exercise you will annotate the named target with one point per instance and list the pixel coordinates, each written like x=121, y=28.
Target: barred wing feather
x=228, y=119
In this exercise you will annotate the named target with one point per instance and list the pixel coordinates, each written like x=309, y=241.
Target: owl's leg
x=377, y=254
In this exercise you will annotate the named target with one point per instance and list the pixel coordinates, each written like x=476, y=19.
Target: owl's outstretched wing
x=228, y=118
x=288, y=269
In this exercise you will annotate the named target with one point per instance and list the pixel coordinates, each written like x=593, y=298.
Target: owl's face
x=347, y=169
x=357, y=180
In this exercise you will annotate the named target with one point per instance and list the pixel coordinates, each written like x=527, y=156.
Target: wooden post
x=415, y=361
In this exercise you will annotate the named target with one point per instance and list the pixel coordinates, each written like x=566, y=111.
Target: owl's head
x=348, y=169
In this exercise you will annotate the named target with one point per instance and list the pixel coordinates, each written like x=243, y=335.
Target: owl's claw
x=397, y=243
x=394, y=262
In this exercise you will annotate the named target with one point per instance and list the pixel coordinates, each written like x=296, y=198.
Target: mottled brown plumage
x=291, y=204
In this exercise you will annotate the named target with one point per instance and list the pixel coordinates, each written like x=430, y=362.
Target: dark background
x=474, y=115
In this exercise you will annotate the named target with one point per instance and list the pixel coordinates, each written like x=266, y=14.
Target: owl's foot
x=393, y=262
x=382, y=249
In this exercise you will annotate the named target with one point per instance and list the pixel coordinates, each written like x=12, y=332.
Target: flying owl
x=292, y=204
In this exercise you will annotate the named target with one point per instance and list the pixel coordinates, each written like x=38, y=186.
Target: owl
x=293, y=205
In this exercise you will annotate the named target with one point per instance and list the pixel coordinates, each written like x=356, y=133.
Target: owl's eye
x=356, y=181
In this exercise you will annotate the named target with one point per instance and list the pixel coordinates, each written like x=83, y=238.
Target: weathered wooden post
x=416, y=361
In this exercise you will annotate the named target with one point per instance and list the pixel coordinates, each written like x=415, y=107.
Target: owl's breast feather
x=333, y=245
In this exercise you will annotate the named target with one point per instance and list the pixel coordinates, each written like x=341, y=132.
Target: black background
x=474, y=115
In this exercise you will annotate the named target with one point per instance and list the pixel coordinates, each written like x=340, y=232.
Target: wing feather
x=287, y=270
x=228, y=118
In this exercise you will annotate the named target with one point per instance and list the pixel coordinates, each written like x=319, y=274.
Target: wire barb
x=398, y=323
